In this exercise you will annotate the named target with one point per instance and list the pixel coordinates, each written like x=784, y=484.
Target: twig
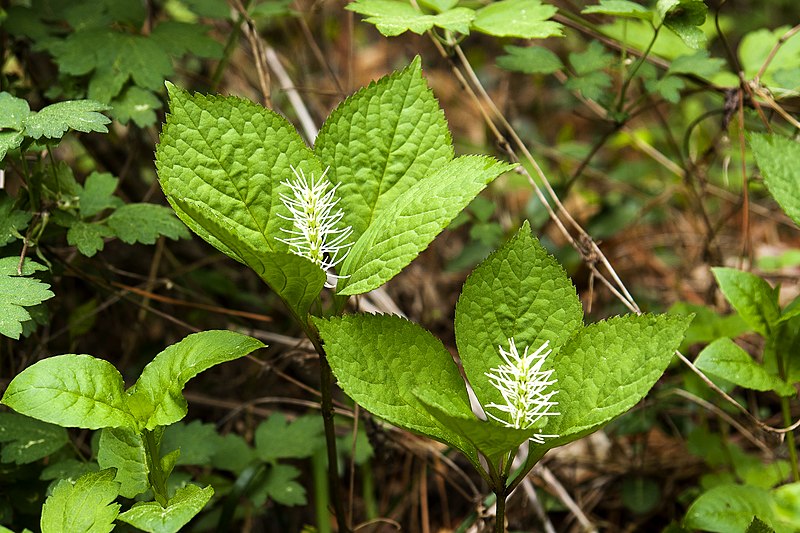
x=562, y=494
x=307, y=123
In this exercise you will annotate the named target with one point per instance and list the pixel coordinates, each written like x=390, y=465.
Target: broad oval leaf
x=519, y=292
x=381, y=360
x=730, y=508
x=71, y=391
x=151, y=517
x=87, y=506
x=401, y=231
x=777, y=158
x=751, y=296
x=725, y=359
x=156, y=398
x=229, y=155
x=382, y=140
x=123, y=450
x=607, y=367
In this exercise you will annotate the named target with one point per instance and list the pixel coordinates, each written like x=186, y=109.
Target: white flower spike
x=523, y=385
x=314, y=234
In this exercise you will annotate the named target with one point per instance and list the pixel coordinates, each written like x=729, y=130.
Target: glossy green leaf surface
x=528, y=19
x=123, y=449
x=393, y=17
x=87, y=506
x=156, y=397
x=725, y=359
x=777, y=158
x=18, y=292
x=151, y=517
x=751, y=296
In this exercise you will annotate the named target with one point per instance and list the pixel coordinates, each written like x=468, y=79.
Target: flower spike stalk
x=523, y=385
x=314, y=233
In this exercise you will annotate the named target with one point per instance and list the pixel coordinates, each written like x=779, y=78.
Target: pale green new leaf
x=97, y=194
x=777, y=158
x=382, y=140
x=530, y=60
x=151, y=517
x=295, y=279
x=123, y=449
x=528, y=19
x=54, y=120
x=145, y=223
x=607, y=367
x=381, y=360
x=156, y=398
x=88, y=236
x=729, y=508
x=71, y=391
x=620, y=8
x=9, y=140
x=17, y=293
x=725, y=359
x=87, y=506
x=404, y=229
x=13, y=111
x=393, y=17
x=26, y=440
x=751, y=296
x=518, y=292
x=683, y=17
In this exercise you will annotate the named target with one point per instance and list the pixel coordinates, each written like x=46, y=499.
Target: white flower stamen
x=314, y=234
x=523, y=385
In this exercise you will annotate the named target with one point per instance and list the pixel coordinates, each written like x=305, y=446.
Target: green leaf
x=69, y=469
x=281, y=486
x=196, y=441
x=180, y=38
x=530, y=60
x=593, y=85
x=17, y=293
x=232, y=454
x=518, y=292
x=224, y=160
x=683, y=17
x=88, y=236
x=607, y=367
x=123, y=449
x=71, y=391
x=595, y=57
x=415, y=218
x=151, y=517
x=145, y=223
x=527, y=19
x=13, y=111
x=620, y=8
x=488, y=437
x=12, y=221
x=381, y=360
x=54, y=120
x=295, y=279
x=725, y=359
x=276, y=438
x=697, y=64
x=393, y=17
x=156, y=398
x=26, y=440
x=98, y=194
x=138, y=105
x=669, y=87
x=757, y=45
x=9, y=140
x=777, y=158
x=381, y=141
x=87, y=506
x=752, y=297
x=708, y=325
x=438, y=5
x=730, y=508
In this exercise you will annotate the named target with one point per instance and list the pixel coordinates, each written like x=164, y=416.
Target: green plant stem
x=634, y=69
x=790, y=440
x=321, y=491
x=326, y=394
x=230, y=46
x=500, y=523
x=158, y=481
